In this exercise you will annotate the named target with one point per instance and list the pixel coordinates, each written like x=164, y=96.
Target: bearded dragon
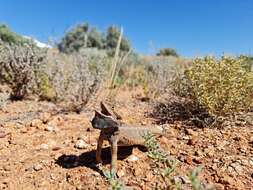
x=118, y=133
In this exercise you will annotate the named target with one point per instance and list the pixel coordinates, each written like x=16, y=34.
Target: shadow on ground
x=87, y=159
x=180, y=110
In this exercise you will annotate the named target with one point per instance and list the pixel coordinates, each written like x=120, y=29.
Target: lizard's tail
x=160, y=130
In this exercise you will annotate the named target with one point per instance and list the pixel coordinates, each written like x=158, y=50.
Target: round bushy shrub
x=222, y=86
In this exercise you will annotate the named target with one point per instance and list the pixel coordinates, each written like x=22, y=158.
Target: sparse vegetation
x=84, y=36
x=167, y=167
x=9, y=37
x=223, y=87
x=167, y=52
x=76, y=78
x=113, y=181
x=200, y=92
x=19, y=66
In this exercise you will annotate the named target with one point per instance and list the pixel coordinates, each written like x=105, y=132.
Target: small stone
x=243, y=149
x=81, y=144
x=95, y=174
x=88, y=129
x=216, y=160
x=138, y=171
x=214, y=167
x=226, y=180
x=251, y=140
x=251, y=161
x=51, y=143
x=49, y=128
x=132, y=158
x=120, y=173
x=210, y=152
x=192, y=141
x=198, y=153
x=52, y=177
x=177, y=179
x=237, y=167
x=197, y=160
x=45, y=117
x=36, y=123
x=188, y=160
x=38, y=167
x=185, y=180
x=185, y=138
x=143, y=123
x=7, y=168
x=244, y=162
x=44, y=147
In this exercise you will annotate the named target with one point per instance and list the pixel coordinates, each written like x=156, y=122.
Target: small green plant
x=9, y=37
x=113, y=181
x=195, y=182
x=166, y=167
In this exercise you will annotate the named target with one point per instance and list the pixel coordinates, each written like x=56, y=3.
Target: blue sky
x=192, y=27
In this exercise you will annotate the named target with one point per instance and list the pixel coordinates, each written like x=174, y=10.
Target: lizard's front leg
x=114, y=151
x=99, y=149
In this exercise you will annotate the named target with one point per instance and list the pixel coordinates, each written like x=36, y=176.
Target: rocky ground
x=43, y=148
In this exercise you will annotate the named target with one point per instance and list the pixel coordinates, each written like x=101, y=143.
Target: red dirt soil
x=39, y=150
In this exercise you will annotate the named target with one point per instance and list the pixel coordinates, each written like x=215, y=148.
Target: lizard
x=118, y=133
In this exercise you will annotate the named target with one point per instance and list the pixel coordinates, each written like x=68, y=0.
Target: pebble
x=38, y=167
x=49, y=128
x=132, y=158
x=81, y=144
x=138, y=171
x=44, y=146
x=45, y=117
x=95, y=174
x=7, y=168
x=120, y=173
x=237, y=167
x=192, y=141
x=185, y=180
x=197, y=160
x=36, y=123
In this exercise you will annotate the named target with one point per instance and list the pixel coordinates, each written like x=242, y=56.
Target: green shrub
x=9, y=37
x=85, y=36
x=222, y=86
x=45, y=89
x=167, y=52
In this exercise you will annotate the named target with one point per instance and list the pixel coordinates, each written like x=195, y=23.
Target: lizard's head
x=101, y=121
